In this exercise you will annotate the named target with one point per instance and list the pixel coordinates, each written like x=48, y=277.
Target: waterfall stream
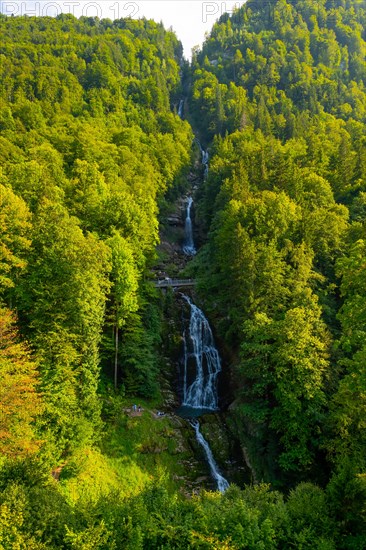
x=222, y=483
x=180, y=108
x=188, y=247
x=202, y=366
x=201, y=363
x=204, y=159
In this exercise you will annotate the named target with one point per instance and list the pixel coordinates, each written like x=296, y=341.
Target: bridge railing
x=167, y=282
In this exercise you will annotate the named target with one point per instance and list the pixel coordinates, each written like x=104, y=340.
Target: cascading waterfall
x=204, y=156
x=201, y=363
x=180, y=108
x=222, y=483
x=201, y=368
x=204, y=159
x=188, y=247
x=205, y=173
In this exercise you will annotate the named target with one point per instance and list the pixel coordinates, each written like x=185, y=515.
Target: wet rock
x=170, y=399
x=174, y=220
x=202, y=479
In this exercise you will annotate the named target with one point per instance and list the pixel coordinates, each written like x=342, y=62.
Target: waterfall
x=222, y=483
x=205, y=173
x=201, y=363
x=188, y=247
x=180, y=108
x=204, y=158
x=201, y=368
x=205, y=163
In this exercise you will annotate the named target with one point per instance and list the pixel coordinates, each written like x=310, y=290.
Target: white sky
x=190, y=19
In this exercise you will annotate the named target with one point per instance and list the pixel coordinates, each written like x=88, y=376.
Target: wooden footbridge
x=174, y=283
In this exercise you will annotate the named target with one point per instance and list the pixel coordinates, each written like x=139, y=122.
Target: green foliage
x=37, y=509
x=284, y=363
x=20, y=402
x=138, y=354
x=348, y=403
x=14, y=236
x=288, y=58
x=92, y=537
x=282, y=271
x=89, y=146
x=122, y=499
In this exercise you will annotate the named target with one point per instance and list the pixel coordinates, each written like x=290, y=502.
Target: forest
x=93, y=157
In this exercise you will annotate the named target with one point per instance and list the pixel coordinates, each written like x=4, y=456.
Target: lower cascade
x=222, y=483
x=202, y=366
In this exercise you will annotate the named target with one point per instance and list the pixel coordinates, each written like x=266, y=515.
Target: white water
x=200, y=386
x=204, y=159
x=180, y=108
x=222, y=483
x=201, y=363
x=188, y=247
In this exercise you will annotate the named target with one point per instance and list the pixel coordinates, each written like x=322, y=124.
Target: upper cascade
x=188, y=247
x=204, y=158
x=181, y=108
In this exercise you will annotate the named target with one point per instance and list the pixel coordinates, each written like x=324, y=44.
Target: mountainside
x=89, y=146
x=272, y=64
x=92, y=153
x=280, y=86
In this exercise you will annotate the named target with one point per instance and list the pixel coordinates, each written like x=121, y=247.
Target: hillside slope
x=278, y=93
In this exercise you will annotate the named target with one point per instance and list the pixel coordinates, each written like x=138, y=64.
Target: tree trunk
x=116, y=357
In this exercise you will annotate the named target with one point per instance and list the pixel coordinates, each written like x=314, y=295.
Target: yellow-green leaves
x=21, y=403
x=14, y=236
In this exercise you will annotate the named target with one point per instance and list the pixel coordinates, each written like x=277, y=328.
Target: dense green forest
x=281, y=88
x=89, y=147
x=92, y=151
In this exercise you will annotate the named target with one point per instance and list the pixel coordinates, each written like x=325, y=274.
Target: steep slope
x=89, y=146
x=279, y=92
